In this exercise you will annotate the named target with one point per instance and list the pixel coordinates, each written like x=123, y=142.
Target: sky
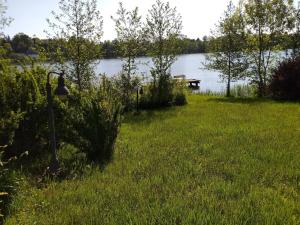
x=198, y=16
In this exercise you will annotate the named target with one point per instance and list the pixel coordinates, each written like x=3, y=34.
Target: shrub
x=4, y=184
x=10, y=114
x=32, y=133
x=145, y=101
x=125, y=86
x=96, y=118
x=161, y=89
x=73, y=162
x=159, y=93
x=90, y=120
x=8, y=184
x=166, y=92
x=285, y=82
x=23, y=117
x=180, y=99
x=179, y=95
x=243, y=91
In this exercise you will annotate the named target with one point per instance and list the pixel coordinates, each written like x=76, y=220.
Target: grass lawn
x=214, y=161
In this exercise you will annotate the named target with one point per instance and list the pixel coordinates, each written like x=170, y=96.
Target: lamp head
x=141, y=91
x=61, y=91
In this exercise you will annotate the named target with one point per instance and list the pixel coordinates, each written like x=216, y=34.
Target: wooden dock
x=192, y=83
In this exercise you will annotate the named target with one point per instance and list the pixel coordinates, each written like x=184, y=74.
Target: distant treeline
x=22, y=44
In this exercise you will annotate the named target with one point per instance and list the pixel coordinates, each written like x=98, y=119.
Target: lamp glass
x=61, y=91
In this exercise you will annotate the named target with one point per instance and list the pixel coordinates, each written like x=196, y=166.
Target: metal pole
x=54, y=164
x=137, y=100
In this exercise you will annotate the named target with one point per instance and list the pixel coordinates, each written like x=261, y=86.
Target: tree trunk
x=228, y=94
x=261, y=82
x=78, y=68
x=229, y=76
x=229, y=66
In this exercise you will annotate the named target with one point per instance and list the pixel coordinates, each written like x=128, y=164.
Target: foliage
x=73, y=162
x=243, y=91
x=22, y=43
x=191, y=46
x=180, y=98
x=108, y=49
x=214, y=161
x=89, y=120
x=4, y=183
x=23, y=109
x=150, y=100
x=227, y=48
x=186, y=46
x=8, y=183
x=95, y=117
x=125, y=88
x=20, y=103
x=9, y=118
x=293, y=42
x=161, y=89
x=78, y=29
x=265, y=22
x=128, y=26
x=179, y=93
x=4, y=20
x=285, y=82
x=163, y=29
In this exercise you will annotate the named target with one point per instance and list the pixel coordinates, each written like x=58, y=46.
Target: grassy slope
x=212, y=162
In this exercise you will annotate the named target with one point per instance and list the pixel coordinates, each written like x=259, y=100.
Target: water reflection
x=190, y=65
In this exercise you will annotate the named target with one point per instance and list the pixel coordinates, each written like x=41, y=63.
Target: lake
x=190, y=65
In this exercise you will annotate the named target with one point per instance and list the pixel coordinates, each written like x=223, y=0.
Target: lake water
x=190, y=65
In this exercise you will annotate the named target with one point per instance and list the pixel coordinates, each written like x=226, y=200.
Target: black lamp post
x=139, y=90
x=61, y=91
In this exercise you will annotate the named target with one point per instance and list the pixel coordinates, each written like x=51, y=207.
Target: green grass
x=214, y=161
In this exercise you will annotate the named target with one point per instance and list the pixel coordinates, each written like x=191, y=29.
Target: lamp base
x=54, y=166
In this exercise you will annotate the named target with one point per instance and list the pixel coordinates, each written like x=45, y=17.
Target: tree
x=109, y=49
x=129, y=30
x=295, y=28
x=227, y=47
x=285, y=82
x=22, y=43
x=78, y=30
x=265, y=20
x=4, y=20
x=163, y=29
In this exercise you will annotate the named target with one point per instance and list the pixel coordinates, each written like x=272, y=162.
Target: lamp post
x=61, y=91
x=139, y=90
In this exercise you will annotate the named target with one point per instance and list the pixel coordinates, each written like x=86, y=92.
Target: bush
x=166, y=93
x=285, y=82
x=5, y=183
x=90, y=120
x=73, y=162
x=125, y=87
x=23, y=117
x=179, y=95
x=95, y=118
x=159, y=93
x=180, y=99
x=161, y=90
x=8, y=184
x=243, y=91
x=10, y=114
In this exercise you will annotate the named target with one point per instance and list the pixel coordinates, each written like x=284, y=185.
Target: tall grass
x=214, y=161
x=238, y=91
